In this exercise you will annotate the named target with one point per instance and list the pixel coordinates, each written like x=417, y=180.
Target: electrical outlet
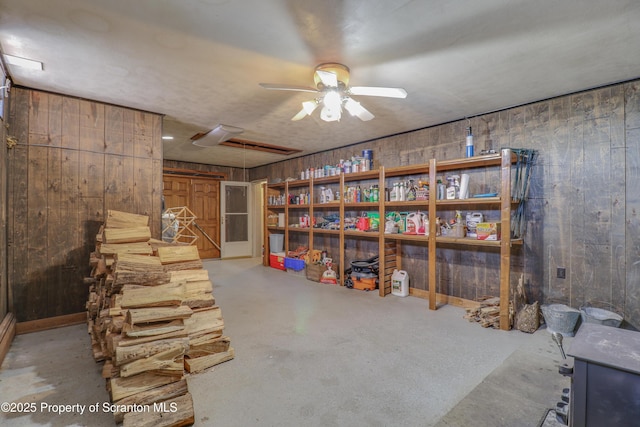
x=561, y=273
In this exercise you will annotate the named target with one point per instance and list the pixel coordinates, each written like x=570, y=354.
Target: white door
x=236, y=215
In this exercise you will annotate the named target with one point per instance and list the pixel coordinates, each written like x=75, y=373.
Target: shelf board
x=362, y=205
x=473, y=162
x=474, y=201
x=469, y=241
x=422, y=169
x=305, y=206
x=361, y=176
x=327, y=180
x=271, y=228
x=299, y=183
x=276, y=185
x=371, y=234
x=329, y=205
x=299, y=229
x=324, y=231
x=410, y=237
x=409, y=203
x=470, y=201
x=272, y=207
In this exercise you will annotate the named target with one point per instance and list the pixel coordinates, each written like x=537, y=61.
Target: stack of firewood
x=151, y=316
x=487, y=313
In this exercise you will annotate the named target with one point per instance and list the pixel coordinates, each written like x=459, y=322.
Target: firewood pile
x=487, y=313
x=152, y=319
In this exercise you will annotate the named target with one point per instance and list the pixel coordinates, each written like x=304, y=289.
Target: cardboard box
x=488, y=231
x=315, y=271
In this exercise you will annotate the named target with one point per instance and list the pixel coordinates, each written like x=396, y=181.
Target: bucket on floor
x=560, y=318
x=400, y=283
x=600, y=316
x=276, y=242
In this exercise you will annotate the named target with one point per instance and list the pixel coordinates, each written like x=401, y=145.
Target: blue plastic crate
x=294, y=264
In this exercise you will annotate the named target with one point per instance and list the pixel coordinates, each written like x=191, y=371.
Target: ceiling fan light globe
x=330, y=115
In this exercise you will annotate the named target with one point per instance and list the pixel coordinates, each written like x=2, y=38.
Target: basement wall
x=583, y=208
x=75, y=159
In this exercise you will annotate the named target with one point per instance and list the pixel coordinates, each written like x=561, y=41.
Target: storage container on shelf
x=276, y=242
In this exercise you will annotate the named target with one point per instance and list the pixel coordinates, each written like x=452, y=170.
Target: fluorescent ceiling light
x=217, y=135
x=23, y=62
x=167, y=137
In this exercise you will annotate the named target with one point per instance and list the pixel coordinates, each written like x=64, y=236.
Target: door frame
x=257, y=189
x=227, y=252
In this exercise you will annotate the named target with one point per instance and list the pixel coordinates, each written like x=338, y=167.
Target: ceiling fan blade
x=307, y=108
x=275, y=86
x=389, y=92
x=328, y=78
x=355, y=109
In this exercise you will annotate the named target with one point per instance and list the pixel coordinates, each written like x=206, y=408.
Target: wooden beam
x=7, y=333
x=50, y=323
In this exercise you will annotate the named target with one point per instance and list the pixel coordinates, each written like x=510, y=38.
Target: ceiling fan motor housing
x=341, y=71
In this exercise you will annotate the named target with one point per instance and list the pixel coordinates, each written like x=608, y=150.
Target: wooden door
x=205, y=202
x=202, y=197
x=176, y=191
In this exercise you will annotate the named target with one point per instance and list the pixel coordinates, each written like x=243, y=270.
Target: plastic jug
x=400, y=283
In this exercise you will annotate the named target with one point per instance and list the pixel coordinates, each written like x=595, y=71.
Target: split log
x=189, y=275
x=140, y=248
x=124, y=340
x=126, y=235
x=149, y=278
x=175, y=412
x=487, y=314
x=168, y=362
x=207, y=345
x=173, y=254
x=110, y=371
x=189, y=265
x=152, y=329
x=198, y=294
x=136, y=316
x=150, y=397
x=170, y=294
x=128, y=354
x=119, y=219
x=199, y=364
x=137, y=263
x=125, y=387
x=204, y=321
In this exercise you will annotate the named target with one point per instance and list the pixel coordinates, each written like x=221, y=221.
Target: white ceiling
x=199, y=62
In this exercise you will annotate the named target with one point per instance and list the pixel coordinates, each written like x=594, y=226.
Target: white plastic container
x=276, y=242
x=400, y=283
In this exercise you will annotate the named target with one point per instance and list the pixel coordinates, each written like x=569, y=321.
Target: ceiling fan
x=332, y=86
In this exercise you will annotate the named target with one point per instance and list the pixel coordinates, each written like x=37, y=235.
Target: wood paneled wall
x=4, y=292
x=583, y=204
x=231, y=174
x=75, y=159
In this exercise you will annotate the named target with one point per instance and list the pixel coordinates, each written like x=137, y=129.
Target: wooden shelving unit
x=390, y=244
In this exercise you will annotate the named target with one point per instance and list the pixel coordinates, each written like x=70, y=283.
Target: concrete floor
x=315, y=355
